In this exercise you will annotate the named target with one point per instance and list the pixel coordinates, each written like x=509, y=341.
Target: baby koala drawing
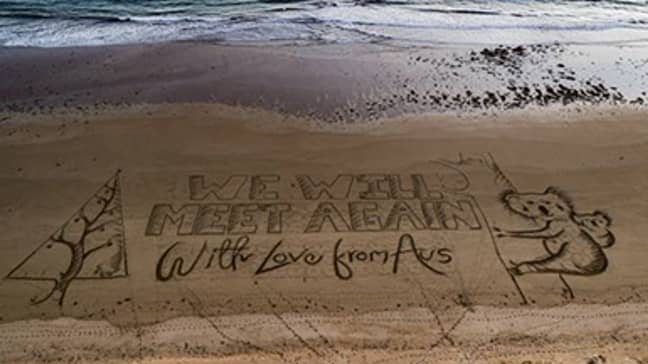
x=574, y=242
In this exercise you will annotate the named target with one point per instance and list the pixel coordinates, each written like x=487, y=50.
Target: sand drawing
x=574, y=242
x=90, y=245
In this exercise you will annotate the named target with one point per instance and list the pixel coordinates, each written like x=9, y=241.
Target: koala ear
x=551, y=190
x=603, y=215
x=505, y=194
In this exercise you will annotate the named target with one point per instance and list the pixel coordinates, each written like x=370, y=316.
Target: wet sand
x=334, y=83
x=203, y=232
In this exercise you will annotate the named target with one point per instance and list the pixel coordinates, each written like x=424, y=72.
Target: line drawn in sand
x=89, y=245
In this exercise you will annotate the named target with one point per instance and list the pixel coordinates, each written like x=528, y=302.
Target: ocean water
x=52, y=23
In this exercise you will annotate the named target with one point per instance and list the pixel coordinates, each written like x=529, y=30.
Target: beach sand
x=159, y=212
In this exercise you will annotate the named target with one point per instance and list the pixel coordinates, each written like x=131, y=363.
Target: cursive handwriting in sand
x=233, y=255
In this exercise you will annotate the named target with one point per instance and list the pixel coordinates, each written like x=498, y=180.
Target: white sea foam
x=96, y=22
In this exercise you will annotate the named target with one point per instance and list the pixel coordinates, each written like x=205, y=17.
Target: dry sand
x=306, y=312
x=206, y=233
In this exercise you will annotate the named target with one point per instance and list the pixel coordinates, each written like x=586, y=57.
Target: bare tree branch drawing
x=96, y=227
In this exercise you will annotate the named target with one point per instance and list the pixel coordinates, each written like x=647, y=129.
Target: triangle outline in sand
x=108, y=196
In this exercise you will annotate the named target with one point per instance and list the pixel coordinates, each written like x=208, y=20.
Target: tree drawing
x=90, y=245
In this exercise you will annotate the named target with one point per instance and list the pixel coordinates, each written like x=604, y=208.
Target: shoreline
x=316, y=81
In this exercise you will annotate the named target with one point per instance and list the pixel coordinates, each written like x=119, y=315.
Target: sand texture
x=210, y=233
x=196, y=203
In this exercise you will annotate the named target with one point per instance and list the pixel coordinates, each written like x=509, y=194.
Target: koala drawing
x=574, y=242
